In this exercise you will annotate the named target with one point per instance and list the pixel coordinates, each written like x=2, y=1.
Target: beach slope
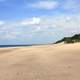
x=45, y=62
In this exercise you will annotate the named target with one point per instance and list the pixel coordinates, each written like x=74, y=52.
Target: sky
x=38, y=21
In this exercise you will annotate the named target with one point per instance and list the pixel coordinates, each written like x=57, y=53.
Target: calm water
x=1, y=46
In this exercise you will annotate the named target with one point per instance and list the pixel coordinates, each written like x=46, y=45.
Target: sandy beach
x=45, y=62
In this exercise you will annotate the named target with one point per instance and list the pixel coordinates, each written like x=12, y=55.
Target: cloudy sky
x=38, y=21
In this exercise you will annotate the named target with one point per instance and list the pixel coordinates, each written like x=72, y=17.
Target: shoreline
x=42, y=62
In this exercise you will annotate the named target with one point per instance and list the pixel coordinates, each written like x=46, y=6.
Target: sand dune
x=46, y=62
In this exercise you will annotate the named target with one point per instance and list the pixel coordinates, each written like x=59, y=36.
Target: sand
x=45, y=62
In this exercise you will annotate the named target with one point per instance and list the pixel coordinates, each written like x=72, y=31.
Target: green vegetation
x=73, y=39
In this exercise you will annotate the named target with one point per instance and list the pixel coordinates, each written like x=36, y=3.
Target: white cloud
x=31, y=21
x=67, y=24
x=61, y=24
x=1, y=22
x=45, y=5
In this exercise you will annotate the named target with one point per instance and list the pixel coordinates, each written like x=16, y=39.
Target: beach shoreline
x=42, y=62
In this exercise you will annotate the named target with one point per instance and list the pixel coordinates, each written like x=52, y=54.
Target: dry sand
x=46, y=62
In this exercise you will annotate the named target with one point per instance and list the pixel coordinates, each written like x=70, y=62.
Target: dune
x=45, y=62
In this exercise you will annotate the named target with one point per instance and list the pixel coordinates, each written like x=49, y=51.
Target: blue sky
x=38, y=21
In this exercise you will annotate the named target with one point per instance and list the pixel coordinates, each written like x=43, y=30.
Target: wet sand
x=45, y=62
